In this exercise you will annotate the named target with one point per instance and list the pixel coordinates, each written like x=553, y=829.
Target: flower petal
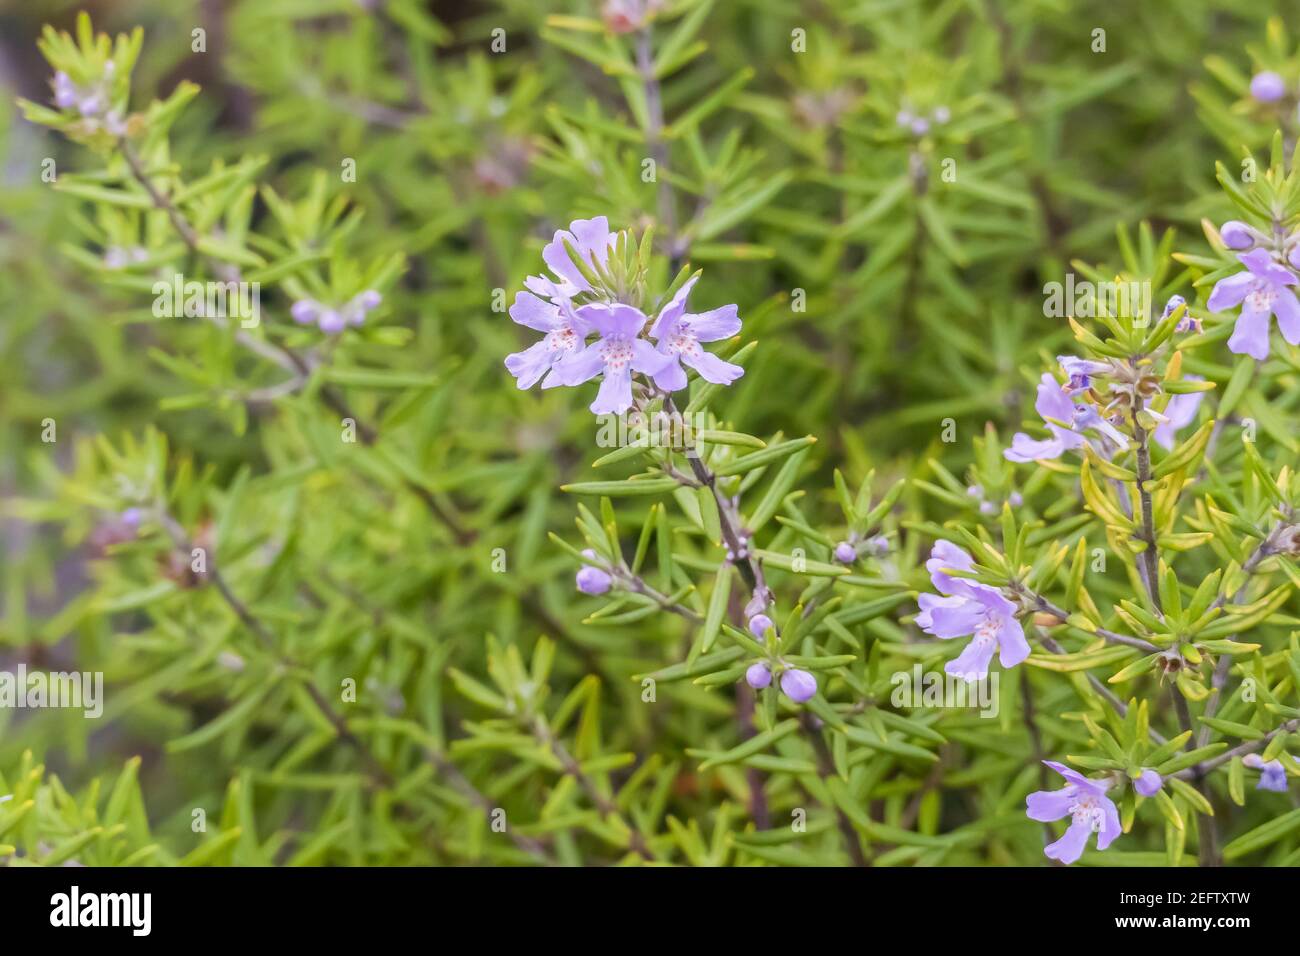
x=1070, y=847
x=1228, y=292
x=713, y=369
x=1048, y=805
x=1250, y=335
x=615, y=395
x=716, y=324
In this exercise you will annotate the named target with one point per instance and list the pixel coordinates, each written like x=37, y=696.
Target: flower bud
x=593, y=581
x=798, y=685
x=758, y=676
x=758, y=625
x=1148, y=783
x=332, y=321
x=845, y=553
x=1236, y=235
x=1267, y=87
x=304, y=311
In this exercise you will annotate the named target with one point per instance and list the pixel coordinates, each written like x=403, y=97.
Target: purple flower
x=1237, y=235
x=758, y=625
x=590, y=239
x=1261, y=291
x=1180, y=411
x=1052, y=402
x=617, y=353
x=131, y=517
x=1088, y=807
x=758, y=676
x=1272, y=775
x=679, y=334
x=798, y=685
x=1080, y=372
x=565, y=335
x=593, y=581
x=1148, y=783
x=1188, y=322
x=845, y=553
x=1267, y=87
x=969, y=608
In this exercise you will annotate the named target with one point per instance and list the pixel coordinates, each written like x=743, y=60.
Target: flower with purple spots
x=1261, y=291
x=679, y=334
x=1085, y=802
x=969, y=608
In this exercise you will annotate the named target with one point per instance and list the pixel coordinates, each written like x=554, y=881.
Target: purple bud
x=798, y=685
x=332, y=321
x=904, y=118
x=879, y=545
x=593, y=581
x=758, y=625
x=1016, y=499
x=1174, y=302
x=920, y=126
x=845, y=553
x=758, y=676
x=304, y=311
x=1237, y=235
x=131, y=517
x=370, y=299
x=988, y=508
x=941, y=114
x=974, y=491
x=1148, y=783
x=65, y=93
x=1267, y=87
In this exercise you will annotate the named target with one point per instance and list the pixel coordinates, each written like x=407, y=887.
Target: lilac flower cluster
x=568, y=311
x=969, y=608
x=333, y=320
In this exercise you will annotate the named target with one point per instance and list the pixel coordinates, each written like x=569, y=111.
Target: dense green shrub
x=323, y=551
